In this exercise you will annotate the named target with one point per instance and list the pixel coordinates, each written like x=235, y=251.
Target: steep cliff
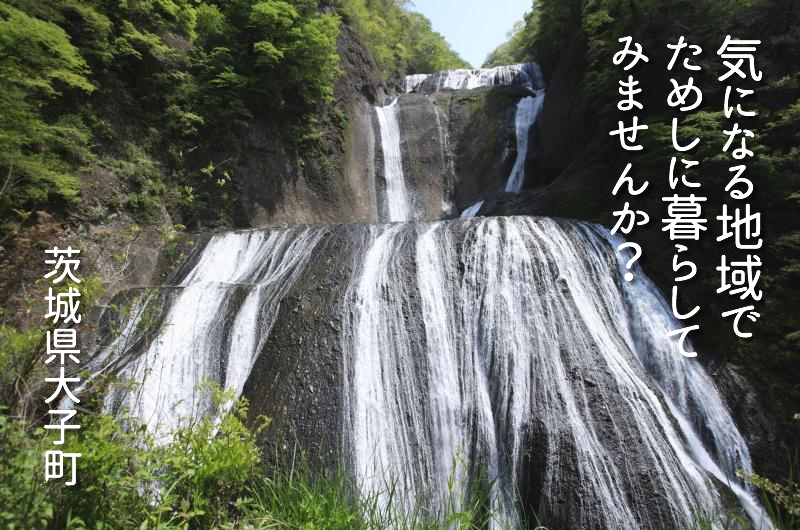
x=506, y=350
x=458, y=146
x=333, y=182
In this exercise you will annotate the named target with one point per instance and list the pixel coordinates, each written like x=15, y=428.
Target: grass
x=211, y=475
x=295, y=495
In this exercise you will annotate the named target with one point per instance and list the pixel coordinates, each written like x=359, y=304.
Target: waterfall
x=528, y=110
x=398, y=207
x=471, y=211
x=503, y=348
x=527, y=74
x=448, y=163
x=506, y=351
x=690, y=394
x=217, y=320
x=497, y=358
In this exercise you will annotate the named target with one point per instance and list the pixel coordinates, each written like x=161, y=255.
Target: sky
x=473, y=27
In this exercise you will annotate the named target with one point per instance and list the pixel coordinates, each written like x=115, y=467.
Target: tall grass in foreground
x=295, y=495
x=210, y=475
x=781, y=503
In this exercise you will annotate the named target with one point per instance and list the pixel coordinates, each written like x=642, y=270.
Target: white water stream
x=398, y=205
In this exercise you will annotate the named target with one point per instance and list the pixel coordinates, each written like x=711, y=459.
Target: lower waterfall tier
x=508, y=349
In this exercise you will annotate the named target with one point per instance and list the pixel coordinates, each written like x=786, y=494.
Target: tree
x=37, y=65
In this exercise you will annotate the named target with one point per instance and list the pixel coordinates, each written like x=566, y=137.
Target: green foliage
x=38, y=65
x=787, y=495
x=294, y=52
x=215, y=455
x=781, y=502
x=291, y=496
x=20, y=352
x=37, y=55
x=580, y=38
x=781, y=499
x=208, y=474
x=21, y=349
x=25, y=499
x=211, y=24
x=146, y=186
x=128, y=480
x=296, y=494
x=182, y=77
x=517, y=49
x=428, y=51
x=402, y=42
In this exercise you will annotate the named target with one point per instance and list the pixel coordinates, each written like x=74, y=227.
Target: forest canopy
x=574, y=42
x=402, y=42
x=159, y=96
x=184, y=73
x=79, y=79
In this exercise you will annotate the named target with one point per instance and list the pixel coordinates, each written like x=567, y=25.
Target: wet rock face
x=309, y=377
x=458, y=146
x=559, y=126
x=297, y=379
x=428, y=161
x=484, y=135
x=740, y=387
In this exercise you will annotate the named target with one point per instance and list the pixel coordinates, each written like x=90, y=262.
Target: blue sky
x=473, y=27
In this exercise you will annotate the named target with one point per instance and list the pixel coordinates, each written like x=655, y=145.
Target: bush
x=126, y=479
x=38, y=64
x=208, y=475
x=26, y=501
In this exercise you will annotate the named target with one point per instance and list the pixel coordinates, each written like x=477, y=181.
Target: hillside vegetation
x=402, y=41
x=156, y=89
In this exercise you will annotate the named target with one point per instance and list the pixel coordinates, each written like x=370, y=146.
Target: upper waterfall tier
x=398, y=206
x=439, y=152
x=509, y=348
x=527, y=74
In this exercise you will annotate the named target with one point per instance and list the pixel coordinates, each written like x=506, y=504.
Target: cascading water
x=683, y=384
x=493, y=342
x=471, y=211
x=398, y=207
x=446, y=151
x=502, y=349
x=528, y=74
x=204, y=333
x=497, y=358
x=528, y=110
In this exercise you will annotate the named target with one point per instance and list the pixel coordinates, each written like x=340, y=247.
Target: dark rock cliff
x=333, y=182
x=272, y=184
x=458, y=146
